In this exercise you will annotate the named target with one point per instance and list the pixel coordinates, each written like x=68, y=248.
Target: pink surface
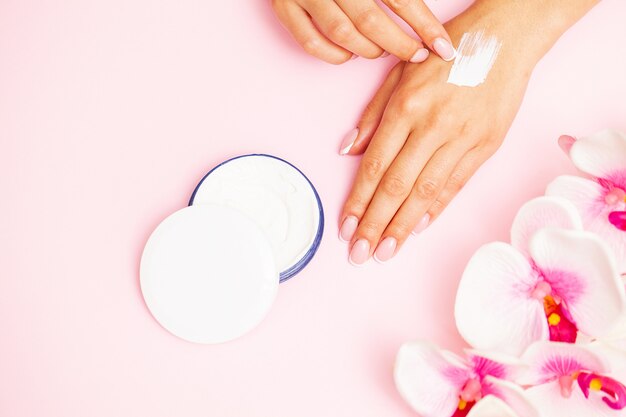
x=110, y=112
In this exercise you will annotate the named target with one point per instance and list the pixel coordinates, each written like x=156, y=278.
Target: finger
x=356, y=141
x=385, y=145
x=429, y=184
x=337, y=27
x=299, y=24
x=374, y=23
x=395, y=187
x=425, y=24
x=464, y=170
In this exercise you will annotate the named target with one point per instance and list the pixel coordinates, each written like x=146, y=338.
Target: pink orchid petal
x=602, y=155
x=427, y=380
x=548, y=361
x=548, y=399
x=581, y=271
x=543, y=212
x=494, y=364
x=493, y=309
x=614, y=354
x=566, y=142
x=491, y=406
x=588, y=196
x=512, y=394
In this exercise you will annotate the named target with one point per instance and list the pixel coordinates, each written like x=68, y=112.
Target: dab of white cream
x=475, y=56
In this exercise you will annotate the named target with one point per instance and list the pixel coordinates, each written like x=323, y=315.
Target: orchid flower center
x=469, y=395
x=615, y=391
x=615, y=196
x=561, y=327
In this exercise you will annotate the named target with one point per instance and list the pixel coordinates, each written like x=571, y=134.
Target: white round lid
x=278, y=197
x=208, y=274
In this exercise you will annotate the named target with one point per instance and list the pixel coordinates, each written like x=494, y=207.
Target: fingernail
x=347, y=229
x=423, y=224
x=348, y=141
x=385, y=249
x=354, y=56
x=360, y=252
x=385, y=54
x=444, y=49
x=419, y=56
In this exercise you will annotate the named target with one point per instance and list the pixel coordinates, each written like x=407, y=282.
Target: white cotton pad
x=208, y=274
x=275, y=195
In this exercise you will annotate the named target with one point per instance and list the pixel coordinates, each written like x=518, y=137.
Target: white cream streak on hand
x=475, y=56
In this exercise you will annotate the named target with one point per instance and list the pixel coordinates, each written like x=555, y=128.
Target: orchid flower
x=550, y=284
x=602, y=199
x=571, y=380
x=438, y=383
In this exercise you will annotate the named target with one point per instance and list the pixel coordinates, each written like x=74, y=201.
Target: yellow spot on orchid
x=462, y=404
x=595, y=385
x=554, y=319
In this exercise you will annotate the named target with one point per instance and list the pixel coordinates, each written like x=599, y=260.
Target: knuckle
x=401, y=228
x=369, y=229
x=368, y=20
x=436, y=208
x=341, y=31
x=426, y=189
x=311, y=46
x=457, y=180
x=398, y=4
x=394, y=186
x=408, y=103
x=372, y=168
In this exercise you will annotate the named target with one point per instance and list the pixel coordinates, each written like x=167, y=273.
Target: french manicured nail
x=444, y=49
x=419, y=56
x=360, y=252
x=347, y=229
x=385, y=54
x=348, y=141
x=423, y=224
x=354, y=56
x=385, y=249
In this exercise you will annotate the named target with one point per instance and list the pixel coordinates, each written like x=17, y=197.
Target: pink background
x=111, y=111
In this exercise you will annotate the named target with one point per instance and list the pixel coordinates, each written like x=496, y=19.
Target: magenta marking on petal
x=559, y=366
x=618, y=219
x=483, y=367
x=616, y=179
x=565, y=284
x=615, y=390
x=541, y=290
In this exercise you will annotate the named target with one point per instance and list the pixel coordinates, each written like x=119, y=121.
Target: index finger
x=374, y=23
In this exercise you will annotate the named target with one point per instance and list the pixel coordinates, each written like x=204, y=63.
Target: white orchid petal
x=550, y=403
x=543, y=212
x=493, y=309
x=602, y=154
x=427, y=380
x=512, y=394
x=547, y=361
x=491, y=406
x=588, y=197
x=581, y=270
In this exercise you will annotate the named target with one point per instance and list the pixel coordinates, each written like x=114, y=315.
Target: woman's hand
x=337, y=30
x=423, y=137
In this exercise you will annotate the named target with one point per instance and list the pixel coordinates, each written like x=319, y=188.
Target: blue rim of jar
x=306, y=258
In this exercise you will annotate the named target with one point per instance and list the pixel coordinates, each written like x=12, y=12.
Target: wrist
x=527, y=29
